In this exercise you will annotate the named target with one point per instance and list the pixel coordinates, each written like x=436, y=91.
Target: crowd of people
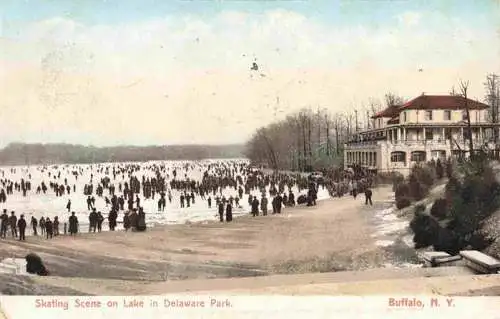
x=124, y=187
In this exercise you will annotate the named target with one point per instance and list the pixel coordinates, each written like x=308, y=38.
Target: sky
x=145, y=72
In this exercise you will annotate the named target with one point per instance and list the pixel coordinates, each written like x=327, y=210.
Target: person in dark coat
x=34, y=225
x=4, y=222
x=255, y=207
x=100, y=219
x=221, y=212
x=73, y=224
x=368, y=196
x=126, y=221
x=42, y=225
x=229, y=212
x=55, y=226
x=13, y=224
x=279, y=203
x=49, y=230
x=141, y=220
x=112, y=217
x=21, y=225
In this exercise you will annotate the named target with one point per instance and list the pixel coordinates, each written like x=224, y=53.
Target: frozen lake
x=49, y=205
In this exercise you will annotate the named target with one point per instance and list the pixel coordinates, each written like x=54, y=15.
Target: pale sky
x=146, y=72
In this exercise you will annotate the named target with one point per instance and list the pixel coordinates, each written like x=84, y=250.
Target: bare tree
x=328, y=123
x=393, y=100
x=492, y=87
x=464, y=87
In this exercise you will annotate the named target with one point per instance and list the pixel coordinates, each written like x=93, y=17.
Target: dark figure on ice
x=141, y=220
x=368, y=196
x=255, y=207
x=182, y=200
x=42, y=226
x=34, y=225
x=21, y=224
x=209, y=200
x=89, y=203
x=68, y=205
x=263, y=205
x=126, y=221
x=4, y=222
x=49, y=230
x=92, y=221
x=229, y=213
x=73, y=224
x=55, y=226
x=112, y=217
x=100, y=219
x=13, y=224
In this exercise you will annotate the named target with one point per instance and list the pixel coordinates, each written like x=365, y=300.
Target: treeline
x=31, y=154
x=311, y=139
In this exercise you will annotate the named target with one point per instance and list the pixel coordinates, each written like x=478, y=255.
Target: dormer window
x=447, y=115
x=428, y=115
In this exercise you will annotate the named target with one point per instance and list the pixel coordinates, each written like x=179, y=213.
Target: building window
x=418, y=156
x=404, y=116
x=379, y=123
x=374, y=159
x=429, y=134
x=428, y=115
x=398, y=157
x=464, y=115
x=447, y=115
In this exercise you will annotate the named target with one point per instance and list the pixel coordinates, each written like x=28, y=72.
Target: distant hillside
x=23, y=154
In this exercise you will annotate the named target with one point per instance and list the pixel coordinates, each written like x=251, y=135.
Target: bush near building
x=417, y=186
x=456, y=221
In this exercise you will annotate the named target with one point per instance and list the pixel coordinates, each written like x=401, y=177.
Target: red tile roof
x=441, y=102
x=394, y=120
x=388, y=112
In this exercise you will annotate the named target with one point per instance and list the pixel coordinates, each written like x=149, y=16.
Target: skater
x=34, y=225
x=221, y=212
x=368, y=197
x=73, y=224
x=229, y=213
x=21, y=224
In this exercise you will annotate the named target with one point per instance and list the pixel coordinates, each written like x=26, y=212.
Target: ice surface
x=48, y=205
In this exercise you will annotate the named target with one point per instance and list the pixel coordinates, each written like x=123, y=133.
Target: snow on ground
x=389, y=228
x=16, y=266
x=48, y=205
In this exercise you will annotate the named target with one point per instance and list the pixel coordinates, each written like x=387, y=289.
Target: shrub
x=449, y=168
x=402, y=202
x=402, y=190
x=439, y=209
x=416, y=188
x=439, y=169
x=467, y=204
x=425, y=230
x=424, y=174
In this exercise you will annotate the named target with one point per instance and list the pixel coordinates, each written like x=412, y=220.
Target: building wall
x=439, y=116
x=380, y=122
